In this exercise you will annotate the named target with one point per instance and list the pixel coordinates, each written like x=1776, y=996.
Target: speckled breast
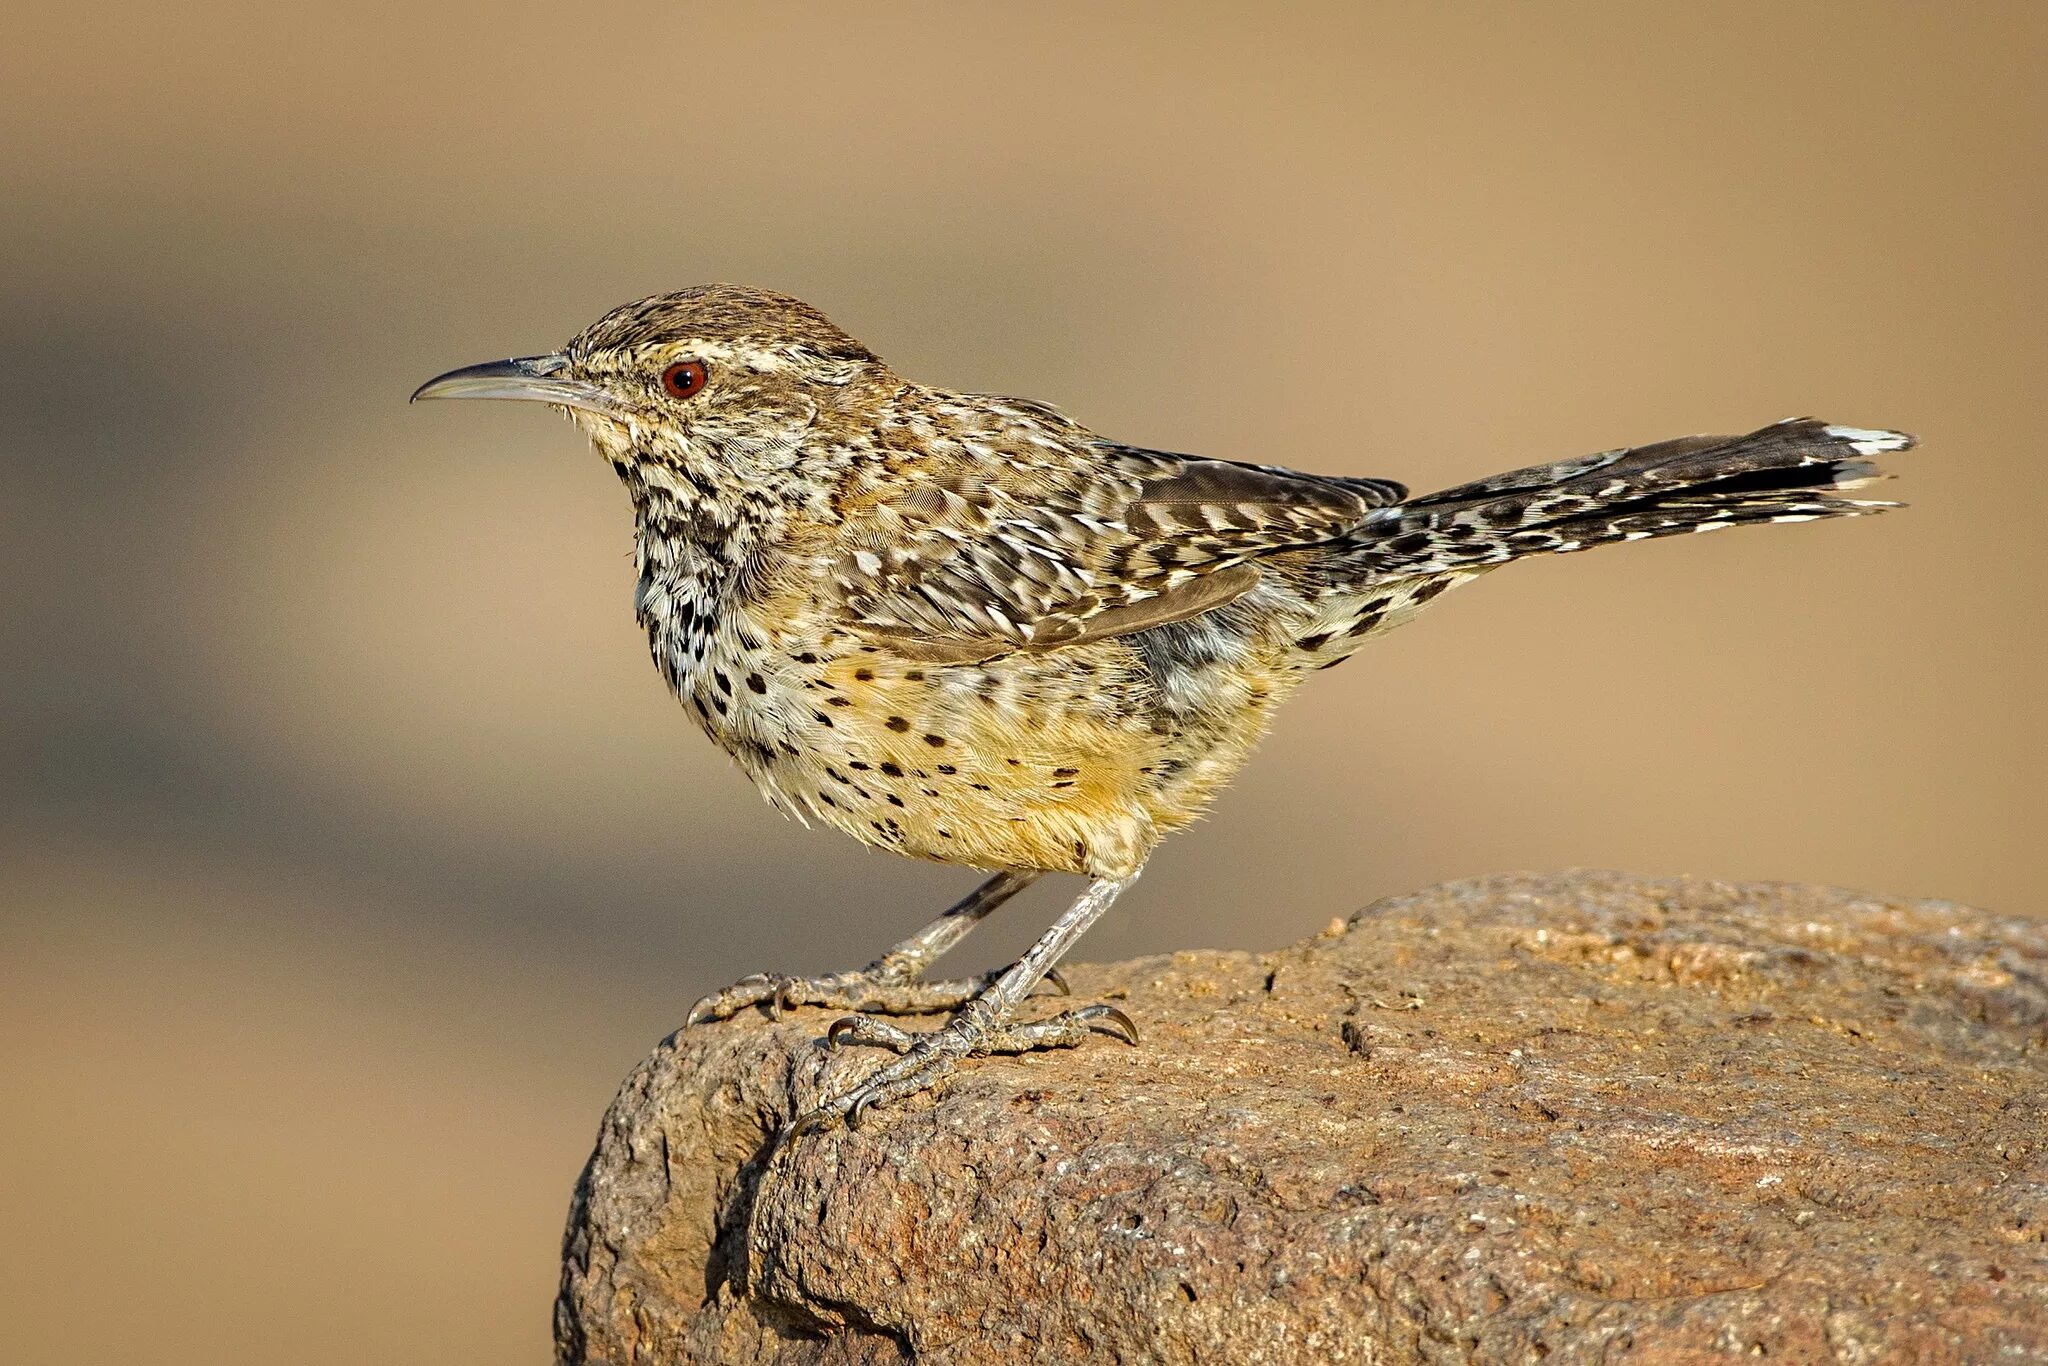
x=1073, y=761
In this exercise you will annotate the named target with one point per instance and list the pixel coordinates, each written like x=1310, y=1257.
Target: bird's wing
x=1044, y=547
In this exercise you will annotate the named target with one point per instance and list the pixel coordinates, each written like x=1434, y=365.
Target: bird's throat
x=690, y=547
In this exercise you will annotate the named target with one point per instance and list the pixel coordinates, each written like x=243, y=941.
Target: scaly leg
x=983, y=1025
x=892, y=984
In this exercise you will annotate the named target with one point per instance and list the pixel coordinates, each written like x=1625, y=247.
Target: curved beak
x=536, y=378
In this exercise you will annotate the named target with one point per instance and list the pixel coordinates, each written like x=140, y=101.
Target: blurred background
x=351, y=850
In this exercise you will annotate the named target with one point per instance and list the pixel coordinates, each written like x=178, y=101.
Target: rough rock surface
x=1574, y=1118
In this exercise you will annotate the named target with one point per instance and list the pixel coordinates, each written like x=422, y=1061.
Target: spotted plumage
x=966, y=628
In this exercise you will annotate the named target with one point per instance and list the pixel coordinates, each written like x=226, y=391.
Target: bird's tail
x=1789, y=472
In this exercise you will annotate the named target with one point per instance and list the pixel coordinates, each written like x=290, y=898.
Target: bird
x=966, y=628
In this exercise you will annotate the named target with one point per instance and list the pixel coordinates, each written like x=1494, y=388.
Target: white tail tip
x=1865, y=441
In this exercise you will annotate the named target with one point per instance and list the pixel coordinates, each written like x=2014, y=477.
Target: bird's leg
x=891, y=985
x=983, y=1025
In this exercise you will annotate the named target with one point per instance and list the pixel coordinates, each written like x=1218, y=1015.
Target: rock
x=1575, y=1118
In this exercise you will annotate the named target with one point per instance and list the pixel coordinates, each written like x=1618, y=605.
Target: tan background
x=349, y=848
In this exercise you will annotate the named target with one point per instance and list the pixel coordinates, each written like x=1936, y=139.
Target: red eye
x=684, y=378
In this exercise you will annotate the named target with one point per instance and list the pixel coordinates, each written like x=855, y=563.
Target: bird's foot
x=882, y=988
x=927, y=1058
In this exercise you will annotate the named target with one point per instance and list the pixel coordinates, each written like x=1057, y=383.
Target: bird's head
x=719, y=386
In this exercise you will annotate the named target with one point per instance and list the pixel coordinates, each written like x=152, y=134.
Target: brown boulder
x=1574, y=1118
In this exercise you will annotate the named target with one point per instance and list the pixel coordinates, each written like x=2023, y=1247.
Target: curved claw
x=1111, y=1021
x=720, y=1005
x=1059, y=983
x=809, y=1123
x=845, y=1024
x=784, y=997
x=856, y=1114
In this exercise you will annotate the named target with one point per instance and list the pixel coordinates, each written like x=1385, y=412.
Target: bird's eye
x=684, y=378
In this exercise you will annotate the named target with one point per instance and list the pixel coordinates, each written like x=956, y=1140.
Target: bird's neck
x=692, y=546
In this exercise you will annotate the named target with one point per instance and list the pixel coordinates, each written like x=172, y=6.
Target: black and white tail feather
x=1791, y=471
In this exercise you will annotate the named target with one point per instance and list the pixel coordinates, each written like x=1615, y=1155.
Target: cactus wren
x=966, y=628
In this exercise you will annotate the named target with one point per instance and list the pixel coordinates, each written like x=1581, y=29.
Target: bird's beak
x=538, y=378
